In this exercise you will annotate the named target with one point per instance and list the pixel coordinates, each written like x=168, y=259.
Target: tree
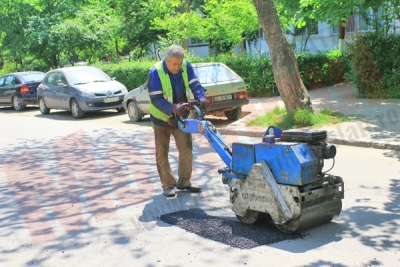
x=13, y=34
x=286, y=73
x=338, y=11
x=86, y=35
x=333, y=12
x=137, y=17
x=42, y=41
x=223, y=23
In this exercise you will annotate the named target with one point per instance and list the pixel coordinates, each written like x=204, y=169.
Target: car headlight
x=124, y=91
x=86, y=93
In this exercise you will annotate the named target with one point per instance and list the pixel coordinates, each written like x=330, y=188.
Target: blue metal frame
x=209, y=131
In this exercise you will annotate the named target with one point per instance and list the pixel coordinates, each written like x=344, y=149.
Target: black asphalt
x=222, y=226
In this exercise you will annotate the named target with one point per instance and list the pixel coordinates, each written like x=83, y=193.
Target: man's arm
x=194, y=83
x=156, y=94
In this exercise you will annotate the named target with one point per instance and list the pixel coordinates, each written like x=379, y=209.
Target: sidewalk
x=379, y=126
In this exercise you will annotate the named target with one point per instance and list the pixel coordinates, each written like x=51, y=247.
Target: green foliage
x=224, y=23
x=331, y=11
x=277, y=117
x=136, y=23
x=7, y=68
x=255, y=71
x=280, y=118
x=326, y=67
x=84, y=36
x=131, y=74
x=303, y=118
x=30, y=63
x=375, y=64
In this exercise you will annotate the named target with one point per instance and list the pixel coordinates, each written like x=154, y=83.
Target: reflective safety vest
x=167, y=89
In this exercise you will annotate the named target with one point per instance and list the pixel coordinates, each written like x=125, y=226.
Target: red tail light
x=24, y=90
x=209, y=99
x=242, y=95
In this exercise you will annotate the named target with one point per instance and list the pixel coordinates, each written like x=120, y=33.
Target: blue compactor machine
x=280, y=177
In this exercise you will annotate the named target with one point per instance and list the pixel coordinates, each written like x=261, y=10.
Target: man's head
x=174, y=58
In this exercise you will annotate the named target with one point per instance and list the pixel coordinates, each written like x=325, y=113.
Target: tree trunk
x=284, y=64
x=55, y=62
x=315, y=25
x=342, y=33
x=116, y=47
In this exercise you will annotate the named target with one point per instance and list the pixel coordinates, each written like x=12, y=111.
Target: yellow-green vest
x=167, y=89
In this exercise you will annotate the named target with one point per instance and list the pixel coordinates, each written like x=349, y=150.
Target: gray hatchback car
x=80, y=90
x=225, y=90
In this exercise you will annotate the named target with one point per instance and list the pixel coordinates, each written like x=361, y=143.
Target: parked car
x=19, y=89
x=225, y=90
x=79, y=90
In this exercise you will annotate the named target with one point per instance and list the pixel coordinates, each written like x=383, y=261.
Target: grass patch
x=301, y=118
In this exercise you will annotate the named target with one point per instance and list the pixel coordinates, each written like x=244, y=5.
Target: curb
x=332, y=140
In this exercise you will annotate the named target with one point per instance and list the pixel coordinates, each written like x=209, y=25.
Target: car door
x=2, y=98
x=143, y=99
x=9, y=88
x=61, y=91
x=47, y=90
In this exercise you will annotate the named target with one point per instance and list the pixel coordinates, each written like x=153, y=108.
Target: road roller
x=278, y=178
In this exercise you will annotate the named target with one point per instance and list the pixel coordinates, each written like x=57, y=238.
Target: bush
x=256, y=71
x=375, y=68
x=302, y=118
x=324, y=67
x=131, y=74
x=29, y=64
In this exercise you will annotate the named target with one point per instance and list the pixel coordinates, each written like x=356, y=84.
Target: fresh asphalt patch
x=222, y=226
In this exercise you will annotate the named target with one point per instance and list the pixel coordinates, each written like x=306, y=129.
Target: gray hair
x=175, y=51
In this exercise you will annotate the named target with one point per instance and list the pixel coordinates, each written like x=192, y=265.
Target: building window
x=197, y=42
x=335, y=29
x=355, y=23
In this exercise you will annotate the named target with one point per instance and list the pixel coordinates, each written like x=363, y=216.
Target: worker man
x=169, y=84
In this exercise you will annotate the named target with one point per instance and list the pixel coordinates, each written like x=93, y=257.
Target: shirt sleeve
x=194, y=83
x=156, y=93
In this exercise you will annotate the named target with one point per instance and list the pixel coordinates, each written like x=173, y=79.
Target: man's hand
x=181, y=111
x=204, y=104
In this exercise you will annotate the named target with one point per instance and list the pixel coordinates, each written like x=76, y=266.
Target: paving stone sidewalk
x=378, y=127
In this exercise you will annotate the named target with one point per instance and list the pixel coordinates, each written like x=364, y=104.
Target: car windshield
x=32, y=77
x=213, y=73
x=82, y=76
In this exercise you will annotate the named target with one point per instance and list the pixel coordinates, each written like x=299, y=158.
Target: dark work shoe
x=169, y=192
x=191, y=188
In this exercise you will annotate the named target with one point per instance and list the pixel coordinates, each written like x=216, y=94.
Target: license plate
x=222, y=98
x=111, y=99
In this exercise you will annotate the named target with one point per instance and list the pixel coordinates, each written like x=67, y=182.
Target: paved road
x=86, y=193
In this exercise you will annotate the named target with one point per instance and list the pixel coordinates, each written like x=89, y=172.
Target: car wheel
x=133, y=112
x=76, y=110
x=121, y=109
x=17, y=104
x=234, y=114
x=42, y=106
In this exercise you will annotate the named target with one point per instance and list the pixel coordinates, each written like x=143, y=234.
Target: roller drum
x=313, y=215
